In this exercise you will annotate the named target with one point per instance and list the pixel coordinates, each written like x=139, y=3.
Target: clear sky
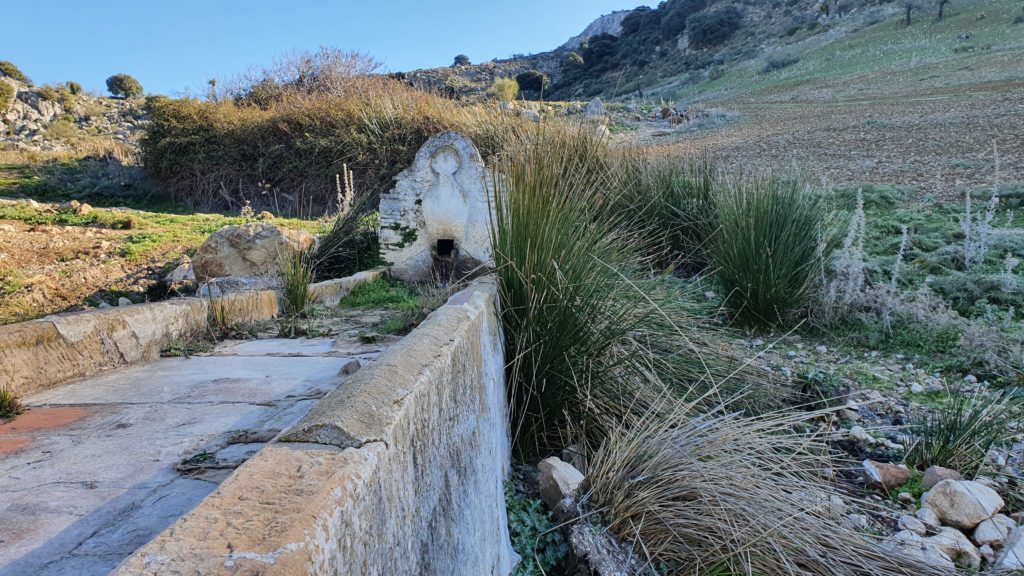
x=174, y=45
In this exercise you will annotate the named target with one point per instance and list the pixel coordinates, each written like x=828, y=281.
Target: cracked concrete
x=89, y=473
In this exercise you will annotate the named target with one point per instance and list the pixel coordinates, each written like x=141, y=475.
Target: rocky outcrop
x=26, y=123
x=607, y=24
x=254, y=249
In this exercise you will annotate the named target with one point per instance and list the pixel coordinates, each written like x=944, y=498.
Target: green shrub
x=960, y=434
x=778, y=61
x=535, y=537
x=7, y=95
x=47, y=92
x=73, y=87
x=10, y=407
x=11, y=71
x=63, y=129
x=217, y=155
x=124, y=86
x=461, y=60
x=712, y=27
x=296, y=276
x=764, y=251
x=677, y=12
x=504, y=89
x=351, y=245
x=533, y=81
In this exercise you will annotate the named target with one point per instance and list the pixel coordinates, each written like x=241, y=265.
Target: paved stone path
x=98, y=467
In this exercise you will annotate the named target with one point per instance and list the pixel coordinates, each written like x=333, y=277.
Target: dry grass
x=723, y=494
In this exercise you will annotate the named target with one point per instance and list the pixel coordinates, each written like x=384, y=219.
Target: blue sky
x=172, y=45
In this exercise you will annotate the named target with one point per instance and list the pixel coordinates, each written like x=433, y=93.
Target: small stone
x=105, y=305
x=935, y=474
x=858, y=521
x=928, y=517
x=905, y=497
x=915, y=547
x=987, y=553
x=916, y=388
x=83, y=209
x=350, y=367
x=962, y=504
x=265, y=215
x=860, y=435
x=791, y=354
x=994, y=531
x=971, y=379
x=557, y=479
x=848, y=415
x=820, y=349
x=884, y=476
x=122, y=301
x=913, y=524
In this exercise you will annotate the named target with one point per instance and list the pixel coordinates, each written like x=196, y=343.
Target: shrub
x=504, y=89
x=124, y=86
x=326, y=71
x=713, y=27
x=351, y=245
x=723, y=494
x=461, y=60
x=778, y=61
x=585, y=326
x=572, y=61
x=10, y=407
x=285, y=158
x=11, y=71
x=534, y=535
x=533, y=81
x=960, y=434
x=296, y=276
x=7, y=95
x=63, y=129
x=47, y=92
x=764, y=251
x=677, y=12
x=73, y=87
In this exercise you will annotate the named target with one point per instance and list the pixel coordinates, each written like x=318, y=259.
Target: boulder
x=928, y=517
x=962, y=504
x=935, y=474
x=994, y=531
x=254, y=249
x=885, y=476
x=954, y=544
x=1012, y=556
x=557, y=479
x=595, y=108
x=919, y=549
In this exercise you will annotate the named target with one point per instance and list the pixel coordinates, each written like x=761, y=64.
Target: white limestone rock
x=254, y=249
x=962, y=504
x=994, y=531
x=557, y=479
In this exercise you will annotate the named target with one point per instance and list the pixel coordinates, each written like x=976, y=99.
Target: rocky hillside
x=53, y=119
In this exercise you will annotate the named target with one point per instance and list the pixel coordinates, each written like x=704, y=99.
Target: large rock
x=595, y=108
x=935, y=474
x=994, y=531
x=962, y=504
x=885, y=476
x=1012, y=556
x=557, y=479
x=954, y=544
x=254, y=249
x=919, y=549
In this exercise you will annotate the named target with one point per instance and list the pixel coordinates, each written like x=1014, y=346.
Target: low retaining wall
x=399, y=471
x=40, y=354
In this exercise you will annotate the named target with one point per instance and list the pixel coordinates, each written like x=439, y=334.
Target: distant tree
x=11, y=71
x=573, y=60
x=942, y=8
x=504, y=89
x=533, y=81
x=73, y=87
x=712, y=27
x=676, y=13
x=461, y=60
x=124, y=86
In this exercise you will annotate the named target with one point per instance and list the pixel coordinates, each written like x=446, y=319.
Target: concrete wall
x=400, y=471
x=39, y=354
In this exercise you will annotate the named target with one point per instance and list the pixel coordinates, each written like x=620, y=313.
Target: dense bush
x=778, y=61
x=219, y=155
x=532, y=81
x=765, y=248
x=959, y=434
x=677, y=11
x=11, y=71
x=504, y=89
x=7, y=94
x=351, y=245
x=713, y=27
x=461, y=60
x=124, y=86
x=73, y=87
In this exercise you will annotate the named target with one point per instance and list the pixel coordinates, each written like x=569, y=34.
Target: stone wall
x=39, y=354
x=399, y=471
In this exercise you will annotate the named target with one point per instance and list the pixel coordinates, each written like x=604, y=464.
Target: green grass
x=9, y=405
x=382, y=293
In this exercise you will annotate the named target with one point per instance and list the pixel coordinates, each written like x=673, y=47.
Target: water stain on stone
x=42, y=419
x=10, y=445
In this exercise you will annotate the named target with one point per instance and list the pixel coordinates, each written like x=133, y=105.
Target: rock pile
x=959, y=524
